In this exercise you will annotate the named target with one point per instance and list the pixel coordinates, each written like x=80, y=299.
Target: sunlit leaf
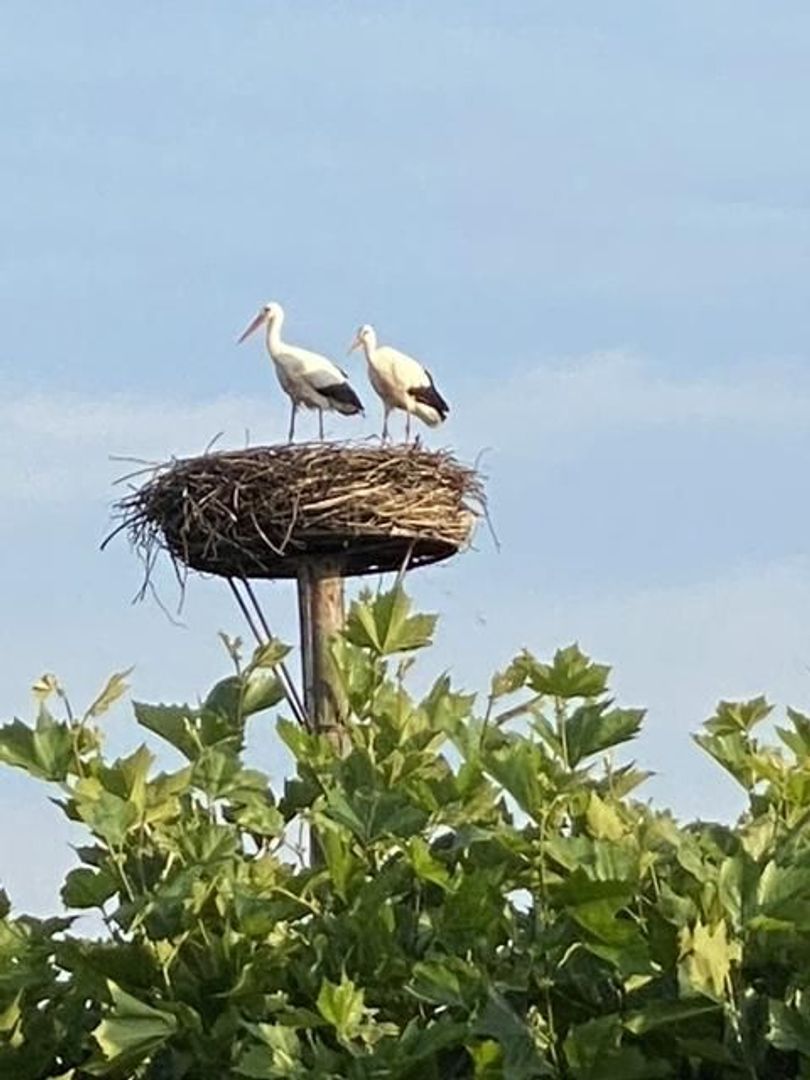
x=604, y=822
x=132, y=1029
x=571, y=674
x=115, y=688
x=342, y=1006
x=738, y=716
x=706, y=956
x=109, y=816
x=731, y=750
x=278, y=1054
x=45, y=685
x=270, y=654
x=425, y=865
x=384, y=624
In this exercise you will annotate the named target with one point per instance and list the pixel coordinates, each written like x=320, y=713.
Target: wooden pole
x=321, y=615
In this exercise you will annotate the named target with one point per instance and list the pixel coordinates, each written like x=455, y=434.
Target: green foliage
x=489, y=901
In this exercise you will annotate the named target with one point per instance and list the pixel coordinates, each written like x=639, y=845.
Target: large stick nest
x=261, y=512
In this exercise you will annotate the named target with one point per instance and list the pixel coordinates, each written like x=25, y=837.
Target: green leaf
x=109, y=816
x=270, y=654
x=508, y=681
x=578, y=888
x=446, y=709
x=371, y=815
x=383, y=624
x=706, y=956
x=571, y=674
x=450, y=981
x=799, y=739
x=733, y=751
x=115, y=688
x=216, y=772
x=789, y=1025
x=738, y=716
x=173, y=723
x=425, y=865
x=783, y=893
x=622, y=781
x=342, y=1006
x=258, y=817
x=132, y=1030
x=240, y=696
x=85, y=888
x=658, y=1014
x=591, y=729
x=520, y=767
x=340, y=862
x=10, y=1018
x=278, y=1055
x=45, y=752
x=737, y=880
x=259, y=1063
x=521, y=1058
x=604, y=821
x=594, y=1051
x=123, y=962
x=418, y=1042
x=601, y=920
x=487, y=1058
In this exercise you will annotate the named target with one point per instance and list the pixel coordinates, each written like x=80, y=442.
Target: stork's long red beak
x=257, y=322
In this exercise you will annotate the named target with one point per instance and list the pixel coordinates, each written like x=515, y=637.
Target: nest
x=262, y=512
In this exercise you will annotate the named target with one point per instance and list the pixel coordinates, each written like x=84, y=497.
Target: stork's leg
x=320, y=423
x=408, y=428
x=386, y=411
x=291, y=435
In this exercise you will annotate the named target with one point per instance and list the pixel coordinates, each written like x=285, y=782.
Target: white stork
x=308, y=378
x=401, y=382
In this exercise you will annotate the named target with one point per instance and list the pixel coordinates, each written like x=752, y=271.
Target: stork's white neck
x=369, y=343
x=273, y=334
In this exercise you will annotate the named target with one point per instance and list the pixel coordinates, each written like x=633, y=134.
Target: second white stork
x=401, y=382
x=307, y=378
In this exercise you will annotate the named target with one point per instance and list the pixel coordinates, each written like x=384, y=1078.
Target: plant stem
x=561, y=721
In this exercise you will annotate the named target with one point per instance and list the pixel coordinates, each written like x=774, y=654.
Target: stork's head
x=267, y=313
x=364, y=338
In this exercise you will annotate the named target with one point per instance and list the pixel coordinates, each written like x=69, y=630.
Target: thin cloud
x=619, y=390
x=54, y=449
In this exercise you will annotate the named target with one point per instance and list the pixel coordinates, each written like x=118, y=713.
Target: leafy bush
x=489, y=899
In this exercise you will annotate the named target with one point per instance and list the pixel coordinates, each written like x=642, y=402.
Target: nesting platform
x=266, y=511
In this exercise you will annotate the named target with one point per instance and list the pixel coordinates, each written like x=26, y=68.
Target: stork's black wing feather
x=342, y=397
x=430, y=396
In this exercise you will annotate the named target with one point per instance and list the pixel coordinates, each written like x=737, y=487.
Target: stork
x=307, y=378
x=401, y=382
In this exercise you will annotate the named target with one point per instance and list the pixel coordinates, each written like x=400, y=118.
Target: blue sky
x=592, y=220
